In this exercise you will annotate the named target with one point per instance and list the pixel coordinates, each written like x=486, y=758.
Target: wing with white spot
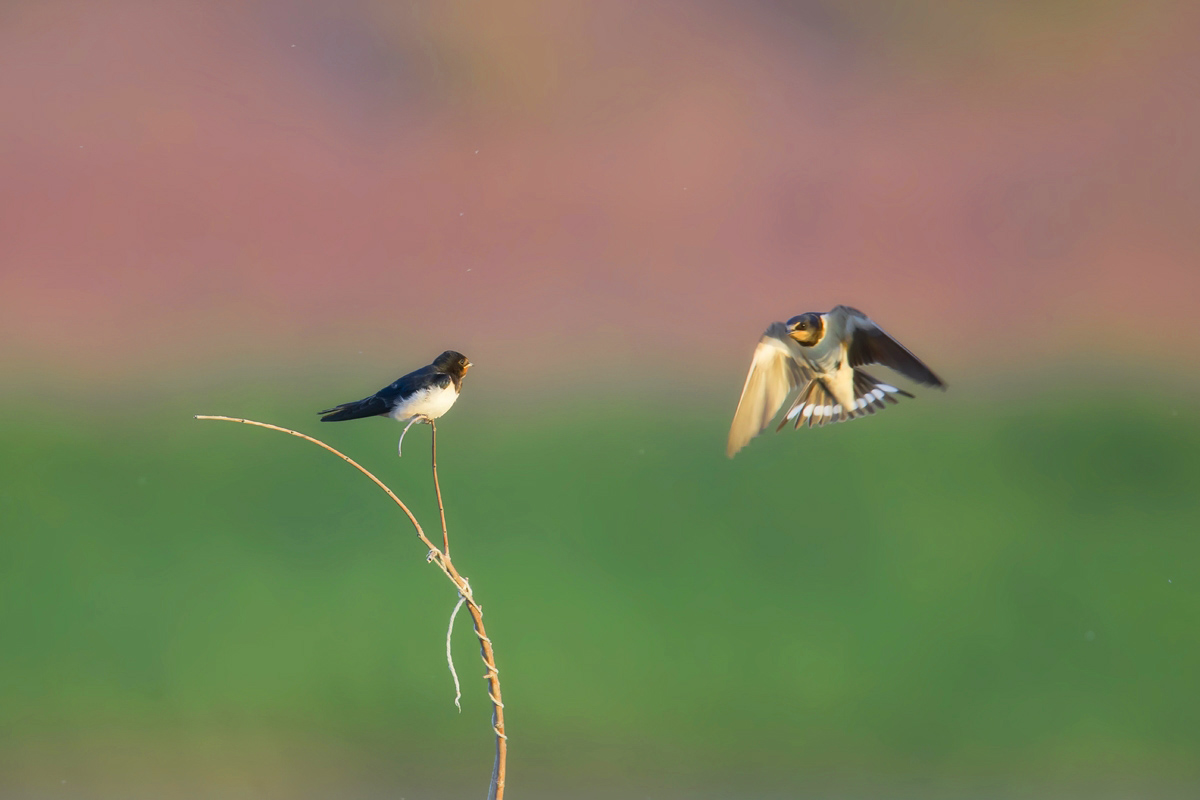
x=867, y=343
x=774, y=373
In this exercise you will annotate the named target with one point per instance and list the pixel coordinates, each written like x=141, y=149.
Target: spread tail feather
x=816, y=406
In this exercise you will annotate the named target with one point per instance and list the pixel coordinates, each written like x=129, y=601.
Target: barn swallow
x=420, y=396
x=822, y=354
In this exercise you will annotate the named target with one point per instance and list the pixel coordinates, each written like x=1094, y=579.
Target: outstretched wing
x=869, y=344
x=774, y=373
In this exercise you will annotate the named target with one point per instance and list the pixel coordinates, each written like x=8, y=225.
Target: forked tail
x=370, y=407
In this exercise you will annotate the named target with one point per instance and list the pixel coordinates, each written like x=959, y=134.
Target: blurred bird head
x=806, y=329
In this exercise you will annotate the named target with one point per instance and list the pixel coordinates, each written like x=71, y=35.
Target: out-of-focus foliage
x=602, y=204
x=975, y=598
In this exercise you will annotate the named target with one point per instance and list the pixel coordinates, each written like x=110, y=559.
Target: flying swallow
x=822, y=354
x=420, y=396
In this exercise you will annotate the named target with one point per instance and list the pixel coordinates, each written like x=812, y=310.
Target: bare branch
x=492, y=675
x=437, y=488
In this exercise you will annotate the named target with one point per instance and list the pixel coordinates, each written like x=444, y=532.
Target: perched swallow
x=420, y=396
x=821, y=353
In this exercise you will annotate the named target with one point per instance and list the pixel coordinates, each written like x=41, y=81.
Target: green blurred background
x=267, y=208
x=958, y=599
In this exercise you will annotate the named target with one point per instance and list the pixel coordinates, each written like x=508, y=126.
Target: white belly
x=831, y=363
x=840, y=383
x=431, y=403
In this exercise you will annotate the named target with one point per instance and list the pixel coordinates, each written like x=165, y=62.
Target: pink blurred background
x=625, y=187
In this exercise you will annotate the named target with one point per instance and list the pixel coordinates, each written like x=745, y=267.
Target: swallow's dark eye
x=802, y=326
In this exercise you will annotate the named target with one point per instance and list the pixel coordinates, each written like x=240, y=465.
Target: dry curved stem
x=438, y=488
x=492, y=676
x=450, y=654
